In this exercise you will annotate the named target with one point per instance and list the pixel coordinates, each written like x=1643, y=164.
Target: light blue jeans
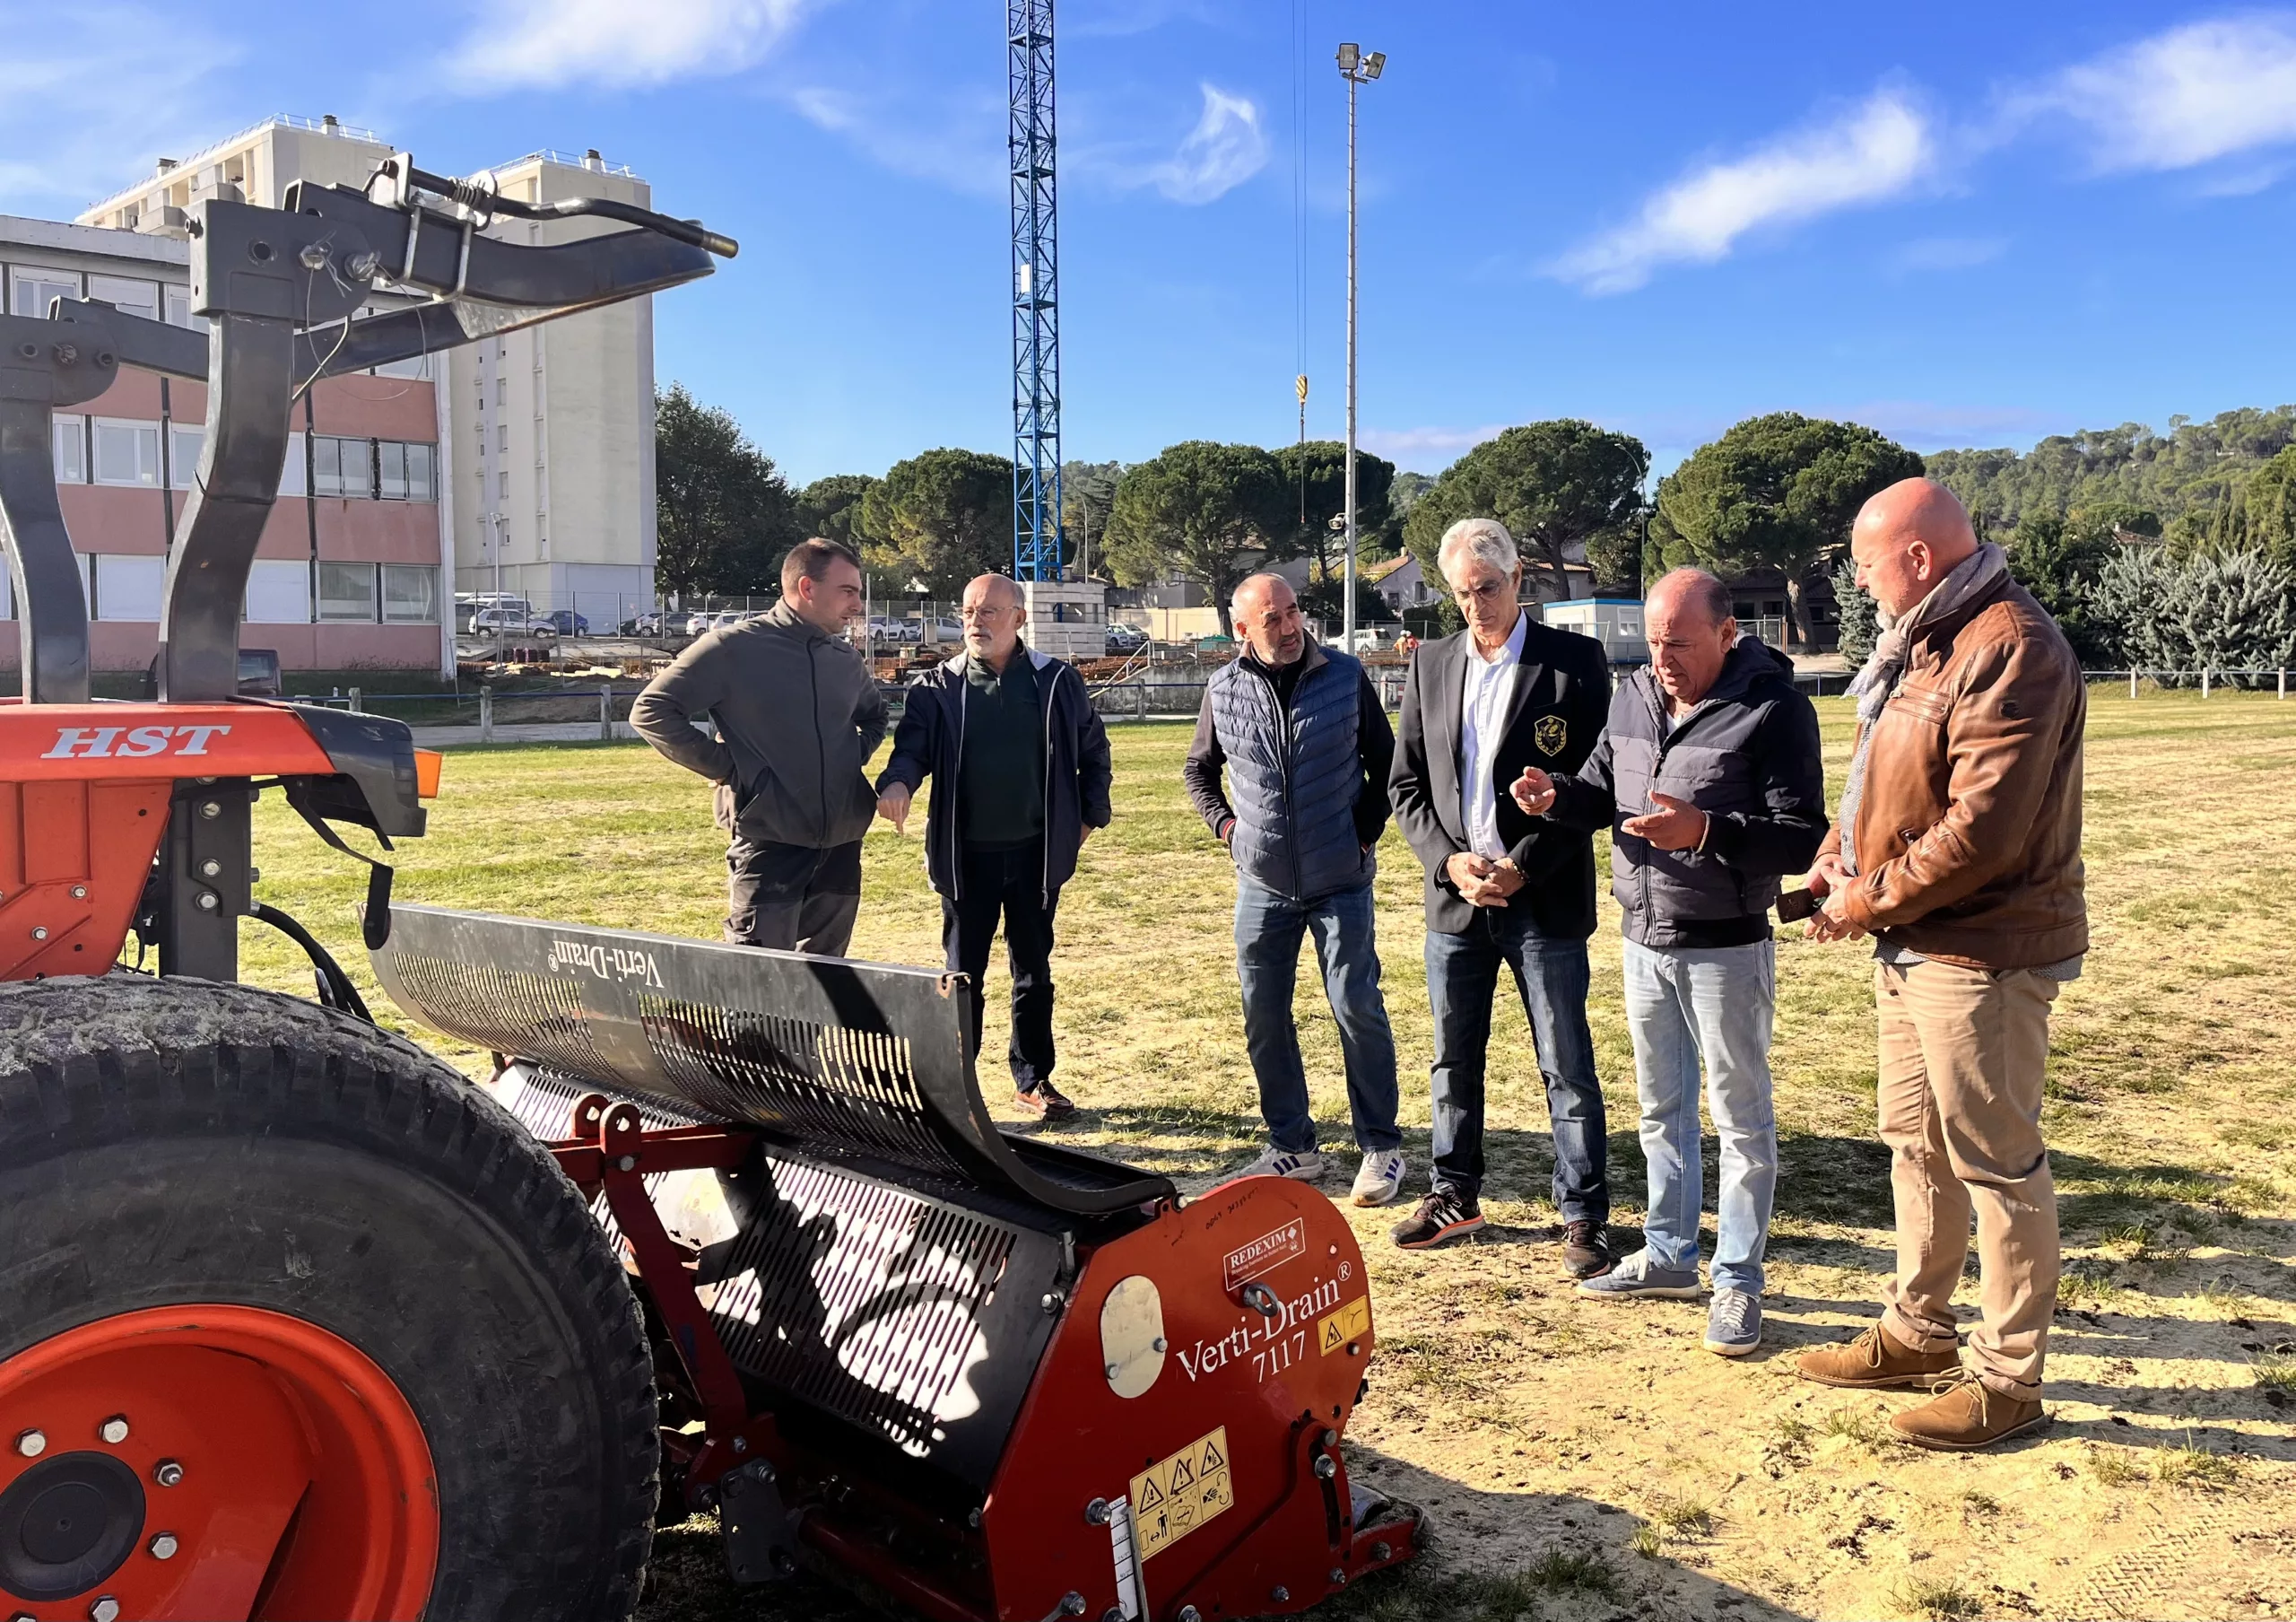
x=1684, y=1003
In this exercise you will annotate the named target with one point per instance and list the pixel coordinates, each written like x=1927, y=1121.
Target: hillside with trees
x=2184, y=476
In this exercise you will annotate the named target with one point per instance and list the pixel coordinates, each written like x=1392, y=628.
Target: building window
x=178, y=300
x=279, y=593
x=29, y=288
x=128, y=588
x=347, y=591
x=422, y=473
x=293, y=478
x=502, y=490
x=184, y=444
x=390, y=470
x=502, y=439
x=137, y=297
x=501, y=391
x=126, y=453
x=410, y=593
x=71, y=451
x=342, y=467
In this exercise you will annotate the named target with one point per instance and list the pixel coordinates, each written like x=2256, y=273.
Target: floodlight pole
x=1356, y=69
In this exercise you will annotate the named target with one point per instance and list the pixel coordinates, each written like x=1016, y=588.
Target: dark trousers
x=793, y=898
x=1552, y=977
x=1006, y=883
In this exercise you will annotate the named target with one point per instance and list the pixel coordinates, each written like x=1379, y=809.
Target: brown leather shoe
x=1044, y=1101
x=1966, y=1414
x=1875, y=1361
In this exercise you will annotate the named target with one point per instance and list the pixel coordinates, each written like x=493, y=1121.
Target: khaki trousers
x=1961, y=1057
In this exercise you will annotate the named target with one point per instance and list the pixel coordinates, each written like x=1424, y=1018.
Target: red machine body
x=1177, y=1457
x=1227, y=1467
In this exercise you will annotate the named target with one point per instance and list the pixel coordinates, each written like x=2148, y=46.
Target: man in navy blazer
x=1503, y=887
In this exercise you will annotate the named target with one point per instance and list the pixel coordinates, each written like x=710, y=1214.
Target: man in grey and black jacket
x=1306, y=748
x=1709, y=777
x=1019, y=765
x=799, y=714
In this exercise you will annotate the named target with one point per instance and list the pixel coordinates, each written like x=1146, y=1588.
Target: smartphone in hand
x=1795, y=905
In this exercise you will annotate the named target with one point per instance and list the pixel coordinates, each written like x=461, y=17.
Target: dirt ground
x=1582, y=1460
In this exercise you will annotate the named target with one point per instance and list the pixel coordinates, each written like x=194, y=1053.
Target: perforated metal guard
x=866, y=1062
x=914, y=1319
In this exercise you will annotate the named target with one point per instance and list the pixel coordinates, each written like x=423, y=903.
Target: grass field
x=1583, y=1460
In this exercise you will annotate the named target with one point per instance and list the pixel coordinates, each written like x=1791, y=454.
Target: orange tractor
x=298, y=1322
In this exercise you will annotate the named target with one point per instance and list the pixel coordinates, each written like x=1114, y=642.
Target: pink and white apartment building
x=350, y=574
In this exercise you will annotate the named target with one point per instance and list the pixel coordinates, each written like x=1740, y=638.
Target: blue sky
x=1963, y=224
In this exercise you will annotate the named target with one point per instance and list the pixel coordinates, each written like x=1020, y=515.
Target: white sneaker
x=1273, y=1162
x=1380, y=1177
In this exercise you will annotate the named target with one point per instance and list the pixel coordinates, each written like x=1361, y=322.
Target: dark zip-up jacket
x=1563, y=686
x=930, y=743
x=1306, y=761
x=1747, y=754
x=799, y=713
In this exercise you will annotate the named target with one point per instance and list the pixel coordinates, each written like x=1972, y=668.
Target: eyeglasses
x=987, y=611
x=1489, y=591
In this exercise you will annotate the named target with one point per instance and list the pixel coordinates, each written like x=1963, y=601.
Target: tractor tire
x=214, y=1168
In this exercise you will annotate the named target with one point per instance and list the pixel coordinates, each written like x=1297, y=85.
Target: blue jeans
x=1550, y=975
x=1683, y=1003
x=1268, y=928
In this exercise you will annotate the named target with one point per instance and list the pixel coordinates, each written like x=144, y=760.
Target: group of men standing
x=1957, y=851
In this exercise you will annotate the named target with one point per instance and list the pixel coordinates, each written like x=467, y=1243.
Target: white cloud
x=2188, y=96
x=1226, y=148
x=70, y=70
x=961, y=145
x=522, y=44
x=1877, y=150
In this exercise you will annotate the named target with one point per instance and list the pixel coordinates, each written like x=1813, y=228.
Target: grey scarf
x=1875, y=684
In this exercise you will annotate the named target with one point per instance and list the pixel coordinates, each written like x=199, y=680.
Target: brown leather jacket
x=1968, y=830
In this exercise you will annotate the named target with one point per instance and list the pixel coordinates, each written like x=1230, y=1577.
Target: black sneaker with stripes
x=1443, y=1215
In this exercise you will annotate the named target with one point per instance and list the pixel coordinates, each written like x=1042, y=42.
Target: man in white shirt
x=1503, y=888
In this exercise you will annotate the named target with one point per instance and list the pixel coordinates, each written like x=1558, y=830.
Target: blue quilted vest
x=1294, y=776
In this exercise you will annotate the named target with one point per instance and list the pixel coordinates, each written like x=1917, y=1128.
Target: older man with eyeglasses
x=1021, y=770
x=1503, y=887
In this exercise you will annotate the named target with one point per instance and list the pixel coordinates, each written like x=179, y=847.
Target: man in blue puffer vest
x=1709, y=779
x=1307, y=747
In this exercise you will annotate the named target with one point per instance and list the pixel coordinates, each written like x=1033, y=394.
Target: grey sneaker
x=1379, y=1179
x=1637, y=1278
x=1273, y=1162
x=1733, y=1323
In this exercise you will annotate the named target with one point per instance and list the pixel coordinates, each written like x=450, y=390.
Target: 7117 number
x=1274, y=1359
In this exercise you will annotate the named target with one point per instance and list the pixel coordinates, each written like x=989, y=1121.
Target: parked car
x=1125, y=639
x=568, y=622
x=470, y=605
x=511, y=622
x=696, y=624
x=648, y=623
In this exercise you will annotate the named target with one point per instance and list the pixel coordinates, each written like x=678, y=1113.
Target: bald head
x=993, y=612
x=995, y=588
x=1265, y=611
x=1690, y=590
x=1907, y=539
x=1688, y=627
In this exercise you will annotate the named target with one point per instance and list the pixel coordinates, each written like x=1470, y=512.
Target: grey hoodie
x=800, y=715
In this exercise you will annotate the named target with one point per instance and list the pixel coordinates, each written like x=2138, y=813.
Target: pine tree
x=1860, y=615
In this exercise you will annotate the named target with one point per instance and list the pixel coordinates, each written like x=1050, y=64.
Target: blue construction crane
x=1036, y=297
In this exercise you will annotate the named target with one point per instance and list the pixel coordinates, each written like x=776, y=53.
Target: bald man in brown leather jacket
x=1958, y=850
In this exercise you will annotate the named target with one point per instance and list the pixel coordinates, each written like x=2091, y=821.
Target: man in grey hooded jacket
x=799, y=714
x=1709, y=777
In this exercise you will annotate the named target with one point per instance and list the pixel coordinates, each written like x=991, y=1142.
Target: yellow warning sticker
x=1173, y=1496
x=1352, y=1321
